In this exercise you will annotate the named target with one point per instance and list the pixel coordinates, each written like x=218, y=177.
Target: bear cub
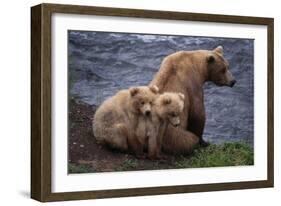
x=167, y=109
x=120, y=121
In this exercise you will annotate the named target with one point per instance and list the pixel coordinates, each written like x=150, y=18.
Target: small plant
x=73, y=168
x=226, y=154
x=127, y=164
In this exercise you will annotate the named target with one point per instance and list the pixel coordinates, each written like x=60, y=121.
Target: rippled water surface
x=102, y=63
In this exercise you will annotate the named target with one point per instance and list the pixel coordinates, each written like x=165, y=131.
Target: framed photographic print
x=130, y=102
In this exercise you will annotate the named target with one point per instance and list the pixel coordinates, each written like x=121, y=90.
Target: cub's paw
x=141, y=156
x=155, y=157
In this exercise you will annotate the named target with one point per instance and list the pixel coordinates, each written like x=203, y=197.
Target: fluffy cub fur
x=120, y=120
x=166, y=109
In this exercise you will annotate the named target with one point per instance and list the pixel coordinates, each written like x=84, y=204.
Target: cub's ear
x=134, y=91
x=210, y=58
x=219, y=49
x=181, y=95
x=154, y=89
x=166, y=100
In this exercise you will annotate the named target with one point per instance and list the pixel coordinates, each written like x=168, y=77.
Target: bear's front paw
x=203, y=143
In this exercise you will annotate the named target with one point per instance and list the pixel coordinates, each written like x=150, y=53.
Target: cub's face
x=142, y=98
x=170, y=106
x=218, y=68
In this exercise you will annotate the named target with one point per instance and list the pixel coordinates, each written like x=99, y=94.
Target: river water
x=102, y=63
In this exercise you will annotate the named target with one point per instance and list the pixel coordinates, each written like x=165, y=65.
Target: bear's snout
x=232, y=83
x=147, y=113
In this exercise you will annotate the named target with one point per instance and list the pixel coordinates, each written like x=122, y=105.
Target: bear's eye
x=223, y=70
x=142, y=102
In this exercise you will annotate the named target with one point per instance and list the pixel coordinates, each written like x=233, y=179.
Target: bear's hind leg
x=125, y=140
x=179, y=141
x=118, y=137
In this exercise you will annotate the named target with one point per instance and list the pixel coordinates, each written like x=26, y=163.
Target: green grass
x=226, y=154
x=73, y=168
x=221, y=155
x=127, y=164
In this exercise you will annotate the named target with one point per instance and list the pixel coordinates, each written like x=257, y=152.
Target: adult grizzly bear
x=186, y=72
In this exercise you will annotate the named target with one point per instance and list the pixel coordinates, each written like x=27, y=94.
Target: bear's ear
x=219, y=49
x=154, y=89
x=134, y=91
x=181, y=95
x=210, y=58
x=166, y=100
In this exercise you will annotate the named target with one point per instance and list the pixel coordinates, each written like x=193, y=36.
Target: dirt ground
x=85, y=155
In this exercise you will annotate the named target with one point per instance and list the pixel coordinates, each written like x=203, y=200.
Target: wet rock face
x=102, y=63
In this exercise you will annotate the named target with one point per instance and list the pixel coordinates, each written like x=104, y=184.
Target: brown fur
x=186, y=72
x=166, y=110
x=119, y=120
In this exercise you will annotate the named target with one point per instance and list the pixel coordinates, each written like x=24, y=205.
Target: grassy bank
x=226, y=154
